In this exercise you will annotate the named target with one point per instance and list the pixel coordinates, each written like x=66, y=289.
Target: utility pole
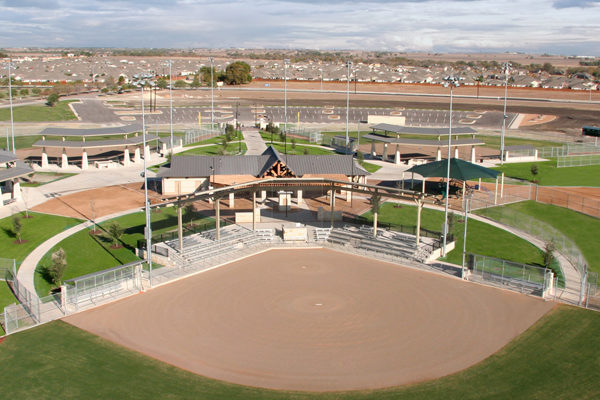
x=451, y=81
x=212, y=95
x=504, y=116
x=12, y=121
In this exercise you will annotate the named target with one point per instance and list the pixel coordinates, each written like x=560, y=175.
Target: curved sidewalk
x=26, y=272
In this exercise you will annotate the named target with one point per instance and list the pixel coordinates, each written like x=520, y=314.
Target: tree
x=204, y=72
x=180, y=84
x=162, y=83
x=196, y=82
x=549, y=248
x=116, y=232
x=306, y=152
x=534, y=171
x=189, y=212
x=293, y=143
x=17, y=227
x=451, y=223
x=36, y=91
x=58, y=266
x=360, y=156
x=24, y=92
x=121, y=80
x=238, y=73
x=52, y=99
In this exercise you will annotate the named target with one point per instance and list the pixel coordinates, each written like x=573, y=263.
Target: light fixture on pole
x=148, y=228
x=171, y=100
x=12, y=121
x=285, y=66
x=348, y=65
x=467, y=205
x=452, y=82
x=212, y=95
x=506, y=67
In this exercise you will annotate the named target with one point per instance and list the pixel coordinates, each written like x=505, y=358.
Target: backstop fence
x=311, y=135
x=523, y=278
x=568, y=149
x=196, y=135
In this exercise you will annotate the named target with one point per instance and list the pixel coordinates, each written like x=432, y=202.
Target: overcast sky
x=568, y=27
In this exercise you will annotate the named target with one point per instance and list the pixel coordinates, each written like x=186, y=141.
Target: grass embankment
x=34, y=231
x=59, y=360
x=299, y=149
x=582, y=229
x=43, y=178
x=370, y=167
x=549, y=175
x=232, y=148
x=88, y=253
x=40, y=113
x=482, y=238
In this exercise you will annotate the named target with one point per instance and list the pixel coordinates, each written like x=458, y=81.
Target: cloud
x=397, y=25
x=575, y=3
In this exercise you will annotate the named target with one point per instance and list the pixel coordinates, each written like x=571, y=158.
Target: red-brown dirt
x=317, y=320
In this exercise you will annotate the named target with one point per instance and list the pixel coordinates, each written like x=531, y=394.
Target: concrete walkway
x=255, y=143
x=26, y=271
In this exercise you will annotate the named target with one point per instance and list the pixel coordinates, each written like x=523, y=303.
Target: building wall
x=175, y=186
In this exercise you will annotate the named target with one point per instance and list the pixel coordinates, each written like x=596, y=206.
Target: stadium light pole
x=212, y=95
x=171, y=100
x=506, y=66
x=12, y=121
x=148, y=228
x=464, y=254
x=285, y=66
x=452, y=82
x=348, y=65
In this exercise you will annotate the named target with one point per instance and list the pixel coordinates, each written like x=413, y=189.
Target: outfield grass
x=549, y=175
x=370, y=167
x=580, y=228
x=39, y=113
x=87, y=253
x=557, y=358
x=482, y=238
x=34, y=232
x=232, y=149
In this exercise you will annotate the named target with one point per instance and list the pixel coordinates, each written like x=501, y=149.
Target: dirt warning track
x=316, y=320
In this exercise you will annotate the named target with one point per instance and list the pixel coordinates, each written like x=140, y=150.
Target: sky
x=566, y=27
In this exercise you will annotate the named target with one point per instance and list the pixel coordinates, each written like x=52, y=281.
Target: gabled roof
x=20, y=169
x=7, y=156
x=257, y=165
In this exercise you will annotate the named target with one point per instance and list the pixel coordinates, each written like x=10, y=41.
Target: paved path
x=255, y=143
x=26, y=271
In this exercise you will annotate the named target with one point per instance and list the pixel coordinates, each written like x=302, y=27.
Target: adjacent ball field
x=316, y=320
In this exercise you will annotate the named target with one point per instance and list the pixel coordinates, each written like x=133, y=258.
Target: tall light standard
x=348, y=65
x=148, y=228
x=12, y=122
x=212, y=95
x=171, y=101
x=452, y=82
x=285, y=66
x=506, y=67
x=321, y=71
x=464, y=255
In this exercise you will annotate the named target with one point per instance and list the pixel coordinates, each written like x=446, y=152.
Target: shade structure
x=459, y=169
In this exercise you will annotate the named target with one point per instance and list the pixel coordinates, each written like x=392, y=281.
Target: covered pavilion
x=392, y=134
x=11, y=170
x=99, y=140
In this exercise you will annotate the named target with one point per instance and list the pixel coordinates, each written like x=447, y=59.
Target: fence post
x=63, y=299
x=5, y=321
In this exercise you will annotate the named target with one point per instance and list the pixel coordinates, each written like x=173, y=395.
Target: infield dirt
x=317, y=320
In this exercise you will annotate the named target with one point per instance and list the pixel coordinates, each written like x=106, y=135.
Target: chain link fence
x=312, y=135
x=580, y=160
x=196, y=135
x=568, y=149
x=522, y=278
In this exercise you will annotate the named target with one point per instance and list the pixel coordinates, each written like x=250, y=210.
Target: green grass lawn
x=549, y=175
x=39, y=113
x=494, y=142
x=370, y=167
x=557, y=358
x=87, y=253
x=35, y=231
x=267, y=138
x=580, y=228
x=482, y=238
x=232, y=149
x=43, y=178
x=299, y=149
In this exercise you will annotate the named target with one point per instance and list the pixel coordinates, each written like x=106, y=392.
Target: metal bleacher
x=391, y=243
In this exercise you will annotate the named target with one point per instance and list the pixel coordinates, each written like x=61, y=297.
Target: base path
x=317, y=320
